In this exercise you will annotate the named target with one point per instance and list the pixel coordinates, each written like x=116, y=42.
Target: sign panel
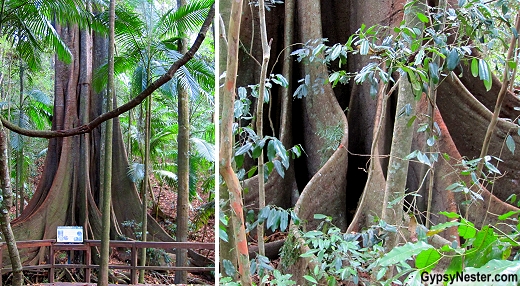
x=72, y=234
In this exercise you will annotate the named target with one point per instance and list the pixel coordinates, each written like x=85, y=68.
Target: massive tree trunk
x=351, y=191
x=69, y=191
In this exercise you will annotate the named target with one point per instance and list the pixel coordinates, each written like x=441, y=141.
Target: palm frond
x=17, y=141
x=204, y=149
x=203, y=214
x=121, y=64
x=185, y=19
x=37, y=95
x=170, y=178
x=135, y=172
x=32, y=34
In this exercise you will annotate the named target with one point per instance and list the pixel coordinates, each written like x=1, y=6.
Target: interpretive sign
x=72, y=234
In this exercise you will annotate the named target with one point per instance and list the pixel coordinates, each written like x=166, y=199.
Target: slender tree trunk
x=5, y=220
x=107, y=182
x=129, y=135
x=401, y=146
x=228, y=97
x=260, y=121
x=227, y=250
x=19, y=152
x=183, y=167
x=146, y=181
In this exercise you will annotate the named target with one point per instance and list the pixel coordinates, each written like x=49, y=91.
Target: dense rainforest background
x=54, y=69
x=373, y=141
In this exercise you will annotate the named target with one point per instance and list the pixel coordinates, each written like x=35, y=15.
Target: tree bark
x=260, y=121
x=5, y=205
x=235, y=191
x=107, y=181
x=183, y=167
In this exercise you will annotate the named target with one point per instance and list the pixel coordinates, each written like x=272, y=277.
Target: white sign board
x=72, y=234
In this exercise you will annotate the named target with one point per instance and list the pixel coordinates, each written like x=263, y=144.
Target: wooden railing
x=87, y=245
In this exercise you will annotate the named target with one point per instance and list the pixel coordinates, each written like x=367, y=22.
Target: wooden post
x=87, y=263
x=1, y=262
x=133, y=263
x=51, y=271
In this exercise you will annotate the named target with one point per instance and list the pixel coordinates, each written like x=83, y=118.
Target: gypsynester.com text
x=438, y=278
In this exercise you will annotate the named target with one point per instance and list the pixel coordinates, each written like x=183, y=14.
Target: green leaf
x=228, y=267
x=450, y=214
x=310, y=279
x=433, y=69
x=453, y=60
x=466, y=229
x=296, y=150
x=423, y=18
x=335, y=52
x=284, y=220
x=482, y=250
x=381, y=273
x=511, y=64
x=455, y=265
x=508, y=215
x=257, y=151
x=474, y=67
x=364, y=47
x=416, y=84
x=279, y=149
x=510, y=143
x=413, y=279
x=403, y=253
x=279, y=169
x=222, y=233
x=264, y=213
x=243, y=149
x=251, y=171
x=318, y=49
x=273, y=219
x=320, y=216
x=281, y=80
x=511, y=198
x=485, y=73
x=441, y=227
x=427, y=259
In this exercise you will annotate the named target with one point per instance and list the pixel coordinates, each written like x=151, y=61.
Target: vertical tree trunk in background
x=260, y=121
x=183, y=167
x=107, y=182
x=19, y=152
x=146, y=182
x=397, y=173
x=5, y=205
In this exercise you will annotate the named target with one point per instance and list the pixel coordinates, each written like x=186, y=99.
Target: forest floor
x=166, y=199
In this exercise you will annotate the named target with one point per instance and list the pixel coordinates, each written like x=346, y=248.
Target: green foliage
x=481, y=249
x=342, y=257
x=275, y=218
x=412, y=51
x=250, y=144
